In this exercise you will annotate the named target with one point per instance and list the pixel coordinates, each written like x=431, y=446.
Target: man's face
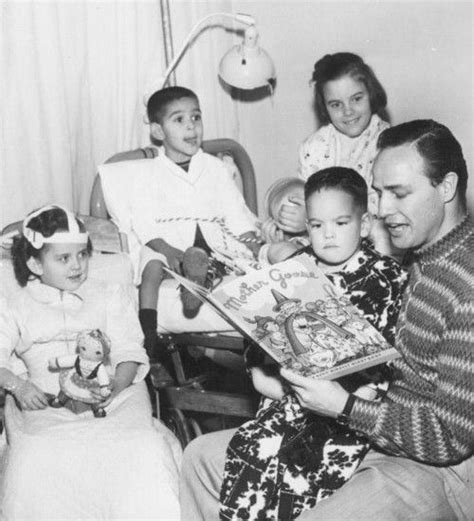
x=412, y=208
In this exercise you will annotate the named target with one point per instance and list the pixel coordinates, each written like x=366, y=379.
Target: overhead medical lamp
x=246, y=66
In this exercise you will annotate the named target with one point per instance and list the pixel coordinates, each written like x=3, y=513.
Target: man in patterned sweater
x=421, y=465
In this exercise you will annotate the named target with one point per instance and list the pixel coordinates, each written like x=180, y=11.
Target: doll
x=280, y=245
x=84, y=371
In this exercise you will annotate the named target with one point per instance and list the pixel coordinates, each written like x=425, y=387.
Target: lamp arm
x=240, y=17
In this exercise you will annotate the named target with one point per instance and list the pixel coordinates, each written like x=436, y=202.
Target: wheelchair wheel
x=177, y=422
x=196, y=429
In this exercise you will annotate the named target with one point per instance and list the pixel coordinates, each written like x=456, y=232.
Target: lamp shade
x=247, y=66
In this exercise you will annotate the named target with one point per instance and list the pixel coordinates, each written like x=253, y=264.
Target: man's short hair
x=158, y=102
x=339, y=178
x=436, y=144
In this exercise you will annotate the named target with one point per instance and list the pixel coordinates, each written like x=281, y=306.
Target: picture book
x=293, y=312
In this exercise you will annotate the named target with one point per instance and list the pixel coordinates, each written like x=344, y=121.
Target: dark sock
x=148, y=321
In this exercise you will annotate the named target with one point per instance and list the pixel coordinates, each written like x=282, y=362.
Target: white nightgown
x=62, y=465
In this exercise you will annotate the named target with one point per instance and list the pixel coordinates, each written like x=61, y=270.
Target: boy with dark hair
x=182, y=203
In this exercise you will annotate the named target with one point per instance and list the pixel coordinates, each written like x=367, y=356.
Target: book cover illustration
x=299, y=318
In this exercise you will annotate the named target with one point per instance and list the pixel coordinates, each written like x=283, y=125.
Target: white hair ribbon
x=7, y=238
x=37, y=239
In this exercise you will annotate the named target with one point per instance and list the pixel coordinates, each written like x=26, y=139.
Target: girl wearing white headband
x=54, y=247
x=63, y=463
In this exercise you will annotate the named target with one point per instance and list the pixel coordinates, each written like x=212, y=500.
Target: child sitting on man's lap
x=183, y=205
x=265, y=475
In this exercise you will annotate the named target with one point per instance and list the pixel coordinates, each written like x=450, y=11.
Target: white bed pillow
x=116, y=184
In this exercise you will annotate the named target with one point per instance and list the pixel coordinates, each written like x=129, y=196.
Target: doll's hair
x=334, y=66
x=47, y=223
x=97, y=336
x=339, y=178
x=278, y=191
x=440, y=150
x=159, y=101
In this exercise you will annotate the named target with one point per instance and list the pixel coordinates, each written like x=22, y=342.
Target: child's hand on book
x=321, y=396
x=281, y=251
x=174, y=258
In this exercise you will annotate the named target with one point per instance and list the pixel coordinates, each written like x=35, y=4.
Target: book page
x=206, y=296
x=301, y=320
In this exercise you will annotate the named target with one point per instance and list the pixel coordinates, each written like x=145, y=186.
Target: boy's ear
x=448, y=186
x=35, y=266
x=156, y=131
x=365, y=224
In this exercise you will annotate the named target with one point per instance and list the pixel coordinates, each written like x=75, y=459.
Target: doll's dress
x=78, y=381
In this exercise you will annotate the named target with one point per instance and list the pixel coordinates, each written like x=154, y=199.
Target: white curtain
x=74, y=74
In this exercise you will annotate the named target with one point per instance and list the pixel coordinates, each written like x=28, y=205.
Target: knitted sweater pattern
x=428, y=412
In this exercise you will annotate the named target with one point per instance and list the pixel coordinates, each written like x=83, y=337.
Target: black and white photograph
x=236, y=260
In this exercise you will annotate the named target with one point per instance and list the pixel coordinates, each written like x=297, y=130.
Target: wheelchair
x=203, y=397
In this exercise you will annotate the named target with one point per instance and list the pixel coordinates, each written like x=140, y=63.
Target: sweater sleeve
x=435, y=428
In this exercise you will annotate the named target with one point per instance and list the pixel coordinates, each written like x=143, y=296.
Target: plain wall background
x=420, y=51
